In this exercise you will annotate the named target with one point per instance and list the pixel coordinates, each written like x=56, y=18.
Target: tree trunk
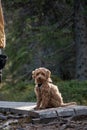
x=80, y=40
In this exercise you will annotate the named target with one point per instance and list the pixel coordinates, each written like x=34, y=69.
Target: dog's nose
x=39, y=78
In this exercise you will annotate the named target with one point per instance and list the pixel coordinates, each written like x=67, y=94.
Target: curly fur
x=46, y=92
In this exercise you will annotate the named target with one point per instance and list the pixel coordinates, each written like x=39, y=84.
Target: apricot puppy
x=47, y=94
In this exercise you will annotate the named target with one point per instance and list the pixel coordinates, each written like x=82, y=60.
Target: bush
x=74, y=91
x=24, y=91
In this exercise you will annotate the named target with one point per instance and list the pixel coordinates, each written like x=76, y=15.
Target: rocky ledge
x=62, y=118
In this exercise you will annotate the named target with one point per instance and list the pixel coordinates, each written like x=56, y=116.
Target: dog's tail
x=68, y=104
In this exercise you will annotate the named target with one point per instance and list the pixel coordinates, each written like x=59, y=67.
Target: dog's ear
x=49, y=76
x=48, y=73
x=33, y=74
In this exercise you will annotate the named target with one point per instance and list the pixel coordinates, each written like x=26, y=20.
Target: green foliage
x=14, y=2
x=23, y=32
x=49, y=37
x=24, y=91
x=34, y=28
x=74, y=91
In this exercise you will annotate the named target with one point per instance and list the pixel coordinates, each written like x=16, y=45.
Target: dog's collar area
x=39, y=85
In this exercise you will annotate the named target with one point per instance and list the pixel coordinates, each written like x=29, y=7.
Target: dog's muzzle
x=39, y=80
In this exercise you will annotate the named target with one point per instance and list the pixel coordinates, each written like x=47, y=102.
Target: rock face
x=25, y=118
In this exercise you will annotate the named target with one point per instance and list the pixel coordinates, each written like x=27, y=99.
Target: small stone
x=2, y=117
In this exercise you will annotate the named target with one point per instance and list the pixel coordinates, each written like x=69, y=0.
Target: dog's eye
x=37, y=74
x=43, y=74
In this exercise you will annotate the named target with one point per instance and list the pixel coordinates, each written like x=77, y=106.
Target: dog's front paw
x=36, y=108
x=42, y=108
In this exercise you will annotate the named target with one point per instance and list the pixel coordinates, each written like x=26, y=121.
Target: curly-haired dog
x=47, y=93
